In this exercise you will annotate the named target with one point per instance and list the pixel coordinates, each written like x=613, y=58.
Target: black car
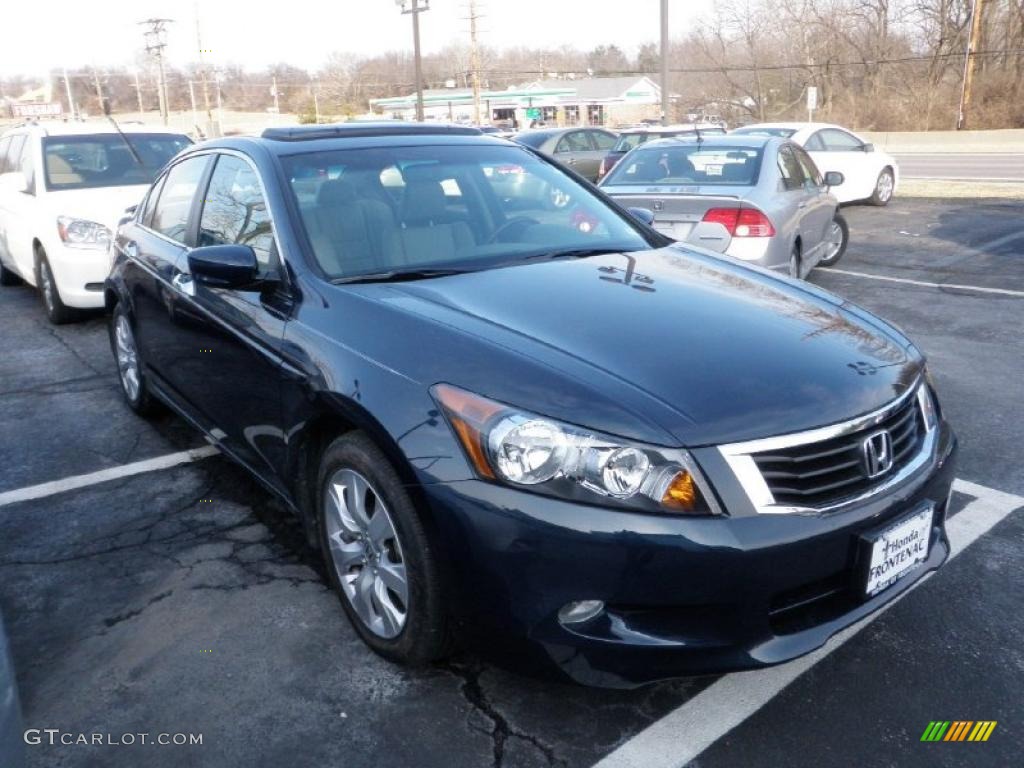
x=550, y=428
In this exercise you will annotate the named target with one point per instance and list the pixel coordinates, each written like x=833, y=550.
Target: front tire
x=380, y=560
x=885, y=185
x=794, y=262
x=56, y=310
x=835, y=241
x=129, y=365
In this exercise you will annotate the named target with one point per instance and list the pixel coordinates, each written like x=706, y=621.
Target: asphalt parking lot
x=183, y=599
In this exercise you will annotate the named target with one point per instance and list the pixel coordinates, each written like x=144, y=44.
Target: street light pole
x=416, y=9
x=664, y=63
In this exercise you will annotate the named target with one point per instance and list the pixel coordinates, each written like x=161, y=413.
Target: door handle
x=571, y=161
x=131, y=249
x=802, y=205
x=184, y=283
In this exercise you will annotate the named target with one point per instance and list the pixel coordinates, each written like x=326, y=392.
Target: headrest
x=335, y=192
x=423, y=202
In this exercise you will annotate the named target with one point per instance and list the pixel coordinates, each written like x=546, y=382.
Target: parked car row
x=534, y=420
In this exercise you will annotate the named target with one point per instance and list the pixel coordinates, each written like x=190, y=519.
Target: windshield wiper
x=397, y=276
x=572, y=253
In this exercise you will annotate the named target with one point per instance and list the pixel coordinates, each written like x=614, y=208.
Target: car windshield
x=688, y=163
x=402, y=209
x=104, y=160
x=755, y=130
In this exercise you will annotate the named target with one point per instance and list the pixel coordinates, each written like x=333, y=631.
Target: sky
x=255, y=33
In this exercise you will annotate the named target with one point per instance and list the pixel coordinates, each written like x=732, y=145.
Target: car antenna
x=113, y=122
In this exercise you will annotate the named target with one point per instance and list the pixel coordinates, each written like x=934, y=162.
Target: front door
x=230, y=339
x=820, y=208
x=833, y=149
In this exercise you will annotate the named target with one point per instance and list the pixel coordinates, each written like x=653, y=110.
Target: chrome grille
x=823, y=473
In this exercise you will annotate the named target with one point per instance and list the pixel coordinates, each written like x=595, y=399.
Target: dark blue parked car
x=546, y=426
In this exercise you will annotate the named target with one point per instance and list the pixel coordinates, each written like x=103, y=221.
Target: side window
x=603, y=141
x=27, y=166
x=5, y=142
x=170, y=218
x=234, y=210
x=146, y=214
x=574, y=141
x=792, y=174
x=13, y=154
x=815, y=144
x=810, y=170
x=840, y=141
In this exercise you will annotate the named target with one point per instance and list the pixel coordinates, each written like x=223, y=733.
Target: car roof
x=293, y=140
x=795, y=126
x=80, y=128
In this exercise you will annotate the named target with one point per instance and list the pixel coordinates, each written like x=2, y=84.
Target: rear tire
x=56, y=310
x=836, y=241
x=885, y=185
x=359, y=547
x=7, y=277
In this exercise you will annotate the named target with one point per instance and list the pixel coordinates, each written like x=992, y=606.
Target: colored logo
x=958, y=730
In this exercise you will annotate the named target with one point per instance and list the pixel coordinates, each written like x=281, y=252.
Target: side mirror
x=643, y=215
x=868, y=147
x=14, y=181
x=224, y=266
x=834, y=179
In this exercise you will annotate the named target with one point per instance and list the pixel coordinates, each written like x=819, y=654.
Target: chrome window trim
x=740, y=459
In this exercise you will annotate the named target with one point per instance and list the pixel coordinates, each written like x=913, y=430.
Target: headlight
x=522, y=449
x=81, y=233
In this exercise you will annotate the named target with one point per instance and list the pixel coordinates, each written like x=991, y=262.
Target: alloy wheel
x=884, y=186
x=366, y=553
x=127, y=357
x=833, y=241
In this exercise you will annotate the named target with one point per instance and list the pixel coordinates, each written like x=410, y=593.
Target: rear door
x=153, y=244
x=16, y=211
x=576, y=151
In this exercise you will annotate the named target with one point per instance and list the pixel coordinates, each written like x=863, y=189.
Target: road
x=962, y=165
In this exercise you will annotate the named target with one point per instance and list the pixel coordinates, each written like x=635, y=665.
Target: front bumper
x=683, y=595
x=79, y=274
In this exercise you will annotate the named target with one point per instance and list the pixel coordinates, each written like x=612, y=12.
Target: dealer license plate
x=897, y=549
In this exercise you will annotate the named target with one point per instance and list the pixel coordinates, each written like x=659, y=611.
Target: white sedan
x=63, y=188
x=869, y=174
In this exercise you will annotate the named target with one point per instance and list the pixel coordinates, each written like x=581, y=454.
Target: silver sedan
x=759, y=199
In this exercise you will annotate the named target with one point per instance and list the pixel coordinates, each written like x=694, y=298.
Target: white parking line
x=685, y=733
x=105, y=475
x=908, y=281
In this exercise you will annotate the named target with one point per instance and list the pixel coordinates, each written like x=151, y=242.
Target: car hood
x=105, y=205
x=708, y=349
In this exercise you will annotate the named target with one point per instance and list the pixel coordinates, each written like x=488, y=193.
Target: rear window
x=689, y=164
x=105, y=160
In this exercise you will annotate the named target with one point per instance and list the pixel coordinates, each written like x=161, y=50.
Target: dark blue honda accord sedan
x=505, y=408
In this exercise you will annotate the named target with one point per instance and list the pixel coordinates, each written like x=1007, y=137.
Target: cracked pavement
x=186, y=600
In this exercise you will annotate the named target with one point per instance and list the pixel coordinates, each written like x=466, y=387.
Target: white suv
x=63, y=188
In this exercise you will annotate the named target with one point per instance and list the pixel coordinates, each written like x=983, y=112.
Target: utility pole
x=416, y=9
x=474, y=62
x=138, y=92
x=192, y=98
x=99, y=87
x=970, y=64
x=315, y=87
x=71, y=99
x=273, y=87
x=664, y=63
x=156, y=41
x=202, y=74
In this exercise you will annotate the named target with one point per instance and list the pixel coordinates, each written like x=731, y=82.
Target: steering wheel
x=515, y=221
